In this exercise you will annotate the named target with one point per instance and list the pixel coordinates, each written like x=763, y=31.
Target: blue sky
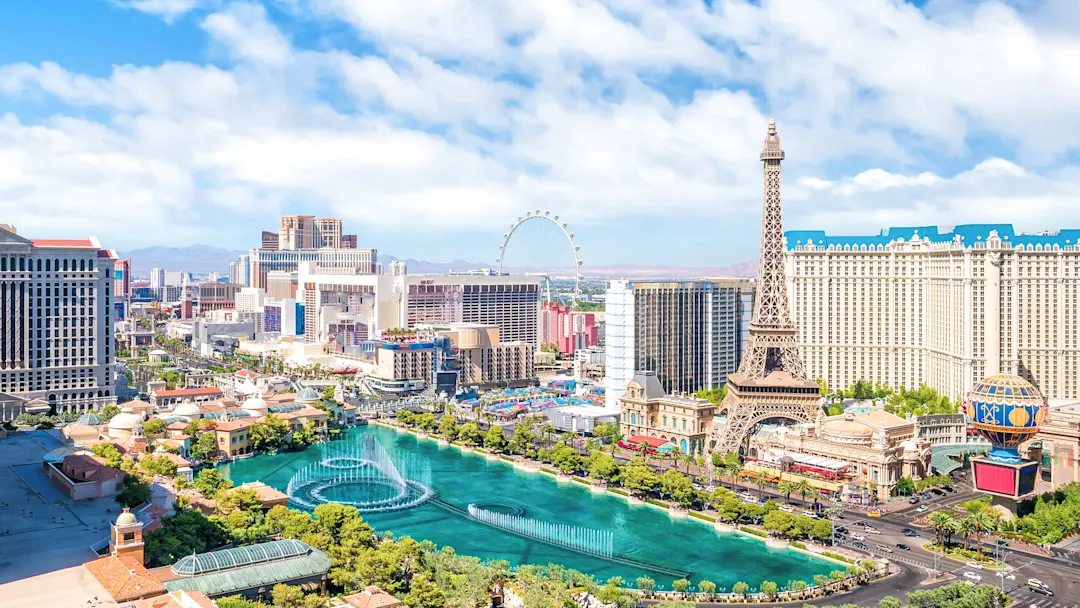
x=428, y=127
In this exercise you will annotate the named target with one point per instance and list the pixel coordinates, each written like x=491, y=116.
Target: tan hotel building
x=645, y=409
x=939, y=307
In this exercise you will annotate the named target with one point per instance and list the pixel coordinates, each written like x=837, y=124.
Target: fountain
x=584, y=540
x=360, y=473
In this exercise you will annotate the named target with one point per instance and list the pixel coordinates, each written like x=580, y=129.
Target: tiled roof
x=89, y=468
x=653, y=441
x=62, y=243
x=189, y=392
x=235, y=425
x=124, y=578
x=372, y=597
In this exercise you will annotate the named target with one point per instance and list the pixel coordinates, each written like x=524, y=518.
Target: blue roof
x=968, y=233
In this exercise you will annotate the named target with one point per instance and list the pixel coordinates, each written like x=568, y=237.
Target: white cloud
x=166, y=9
x=474, y=111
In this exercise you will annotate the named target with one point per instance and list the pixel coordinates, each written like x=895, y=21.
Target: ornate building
x=648, y=411
x=771, y=381
x=881, y=447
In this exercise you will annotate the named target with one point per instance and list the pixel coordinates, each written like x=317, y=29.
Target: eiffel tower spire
x=772, y=345
x=771, y=381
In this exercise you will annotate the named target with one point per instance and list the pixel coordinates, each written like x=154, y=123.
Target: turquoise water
x=642, y=533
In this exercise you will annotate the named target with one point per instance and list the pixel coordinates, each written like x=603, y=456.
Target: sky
x=428, y=127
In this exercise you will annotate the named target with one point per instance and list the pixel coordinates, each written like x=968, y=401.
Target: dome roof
x=308, y=394
x=89, y=419
x=847, y=428
x=909, y=446
x=126, y=518
x=59, y=454
x=158, y=351
x=187, y=409
x=254, y=404
x=124, y=421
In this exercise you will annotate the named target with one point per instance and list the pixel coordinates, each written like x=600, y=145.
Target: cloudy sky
x=428, y=126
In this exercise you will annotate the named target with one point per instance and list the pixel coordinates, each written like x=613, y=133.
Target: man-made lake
x=642, y=534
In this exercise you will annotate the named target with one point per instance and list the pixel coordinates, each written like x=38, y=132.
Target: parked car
x=938, y=492
x=975, y=565
x=902, y=546
x=948, y=488
x=972, y=576
x=810, y=514
x=840, y=530
x=861, y=547
x=927, y=496
x=913, y=500
x=787, y=508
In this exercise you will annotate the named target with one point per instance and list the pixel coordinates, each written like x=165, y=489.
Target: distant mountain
x=193, y=258
x=414, y=266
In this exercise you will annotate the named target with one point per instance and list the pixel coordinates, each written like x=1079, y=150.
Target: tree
x=981, y=522
x=200, y=426
x=905, y=486
x=803, y=487
x=153, y=426
x=269, y=435
x=603, y=466
x=890, y=602
x=495, y=439
x=469, y=434
x=289, y=596
x=424, y=594
x=821, y=529
x=605, y=431
x=740, y=588
x=209, y=482
x=328, y=393
x=707, y=587
x=761, y=479
x=770, y=589
x=731, y=508
x=158, y=465
x=786, y=488
x=639, y=479
x=678, y=487
x=820, y=580
x=680, y=586
x=304, y=436
x=108, y=412
x=135, y=492
x=448, y=427
x=939, y=520
x=109, y=452
x=522, y=439
x=205, y=447
x=566, y=459
x=645, y=584
x=238, y=601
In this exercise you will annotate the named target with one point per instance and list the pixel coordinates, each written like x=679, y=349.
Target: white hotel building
x=351, y=307
x=944, y=308
x=56, y=334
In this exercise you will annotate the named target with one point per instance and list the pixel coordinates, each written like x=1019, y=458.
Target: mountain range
x=201, y=259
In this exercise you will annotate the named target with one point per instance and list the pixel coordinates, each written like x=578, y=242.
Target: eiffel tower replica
x=771, y=381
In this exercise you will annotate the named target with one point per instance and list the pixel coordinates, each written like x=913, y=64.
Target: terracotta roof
x=247, y=374
x=266, y=494
x=124, y=578
x=89, y=468
x=653, y=441
x=234, y=425
x=881, y=418
x=80, y=430
x=62, y=242
x=372, y=597
x=177, y=426
x=190, y=392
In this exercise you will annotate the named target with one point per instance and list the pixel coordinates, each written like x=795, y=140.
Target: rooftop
x=967, y=234
x=189, y=392
x=124, y=578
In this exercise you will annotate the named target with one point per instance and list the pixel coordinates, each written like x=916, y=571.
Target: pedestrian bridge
x=945, y=459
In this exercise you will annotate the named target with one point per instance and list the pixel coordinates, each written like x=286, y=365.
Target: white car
x=810, y=514
x=787, y=508
x=975, y=565
x=870, y=530
x=858, y=537
x=1008, y=577
x=972, y=576
x=922, y=509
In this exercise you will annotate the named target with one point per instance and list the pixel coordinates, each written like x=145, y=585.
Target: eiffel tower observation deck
x=771, y=381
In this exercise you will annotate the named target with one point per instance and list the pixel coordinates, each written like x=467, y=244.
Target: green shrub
x=798, y=545
x=619, y=492
x=658, y=503
x=547, y=470
x=582, y=481
x=838, y=556
x=505, y=457
x=702, y=516
x=757, y=533
x=481, y=450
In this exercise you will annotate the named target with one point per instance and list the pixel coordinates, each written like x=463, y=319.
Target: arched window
x=22, y=263
x=3, y=263
x=90, y=266
x=682, y=446
x=65, y=265
x=82, y=264
x=48, y=265
x=39, y=265
x=633, y=418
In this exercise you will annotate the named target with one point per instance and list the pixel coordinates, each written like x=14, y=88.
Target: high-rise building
x=940, y=307
x=568, y=330
x=398, y=268
x=348, y=241
x=327, y=233
x=215, y=296
x=270, y=241
x=380, y=302
x=691, y=333
x=349, y=261
x=56, y=331
x=297, y=232
x=157, y=278
x=281, y=285
x=240, y=270
x=122, y=289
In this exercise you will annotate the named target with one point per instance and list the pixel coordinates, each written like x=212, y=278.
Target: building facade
x=566, y=329
x=330, y=261
x=216, y=296
x=647, y=410
x=240, y=271
x=56, y=330
x=691, y=333
x=915, y=306
x=157, y=278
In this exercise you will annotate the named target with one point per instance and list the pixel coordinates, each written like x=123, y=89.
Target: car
x=913, y=500
x=903, y=547
x=861, y=547
x=922, y=509
x=840, y=530
x=810, y=514
x=883, y=548
x=938, y=492
x=927, y=496
x=975, y=565
x=908, y=532
x=972, y=576
x=874, y=513
x=1008, y=577
x=858, y=537
x=858, y=522
x=949, y=489
x=787, y=508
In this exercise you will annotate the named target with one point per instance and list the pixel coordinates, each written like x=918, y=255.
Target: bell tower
x=126, y=536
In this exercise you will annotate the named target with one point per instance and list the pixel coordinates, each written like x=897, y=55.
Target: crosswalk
x=1041, y=601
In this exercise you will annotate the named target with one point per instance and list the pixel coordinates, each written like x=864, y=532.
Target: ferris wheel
x=543, y=246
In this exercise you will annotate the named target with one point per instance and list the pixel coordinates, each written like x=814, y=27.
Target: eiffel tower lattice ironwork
x=771, y=381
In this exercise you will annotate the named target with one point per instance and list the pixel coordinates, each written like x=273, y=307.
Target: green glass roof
x=240, y=556
x=287, y=407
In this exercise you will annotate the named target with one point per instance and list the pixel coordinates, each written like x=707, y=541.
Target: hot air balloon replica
x=1007, y=410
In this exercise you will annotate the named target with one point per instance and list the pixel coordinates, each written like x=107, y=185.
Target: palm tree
x=732, y=470
x=615, y=439
x=761, y=480
x=968, y=526
x=803, y=487
x=983, y=522
x=786, y=488
x=689, y=460
x=939, y=520
x=953, y=527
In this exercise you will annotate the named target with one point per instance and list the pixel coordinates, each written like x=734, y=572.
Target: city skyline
x=631, y=122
